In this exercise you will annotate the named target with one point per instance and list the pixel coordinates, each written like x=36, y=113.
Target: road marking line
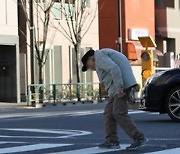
x=168, y=151
x=139, y=111
x=3, y=142
x=61, y=133
x=49, y=114
x=86, y=113
x=43, y=131
x=92, y=150
x=99, y=112
x=136, y=112
x=164, y=139
x=30, y=148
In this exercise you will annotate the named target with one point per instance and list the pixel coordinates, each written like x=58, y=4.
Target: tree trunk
x=40, y=82
x=77, y=48
x=40, y=73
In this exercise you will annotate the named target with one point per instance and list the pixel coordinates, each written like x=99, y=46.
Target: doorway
x=8, y=86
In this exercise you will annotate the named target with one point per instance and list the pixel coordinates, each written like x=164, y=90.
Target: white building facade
x=60, y=65
x=9, y=52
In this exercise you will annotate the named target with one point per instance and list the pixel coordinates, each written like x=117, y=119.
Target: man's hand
x=120, y=94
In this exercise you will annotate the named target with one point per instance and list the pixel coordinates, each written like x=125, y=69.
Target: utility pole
x=32, y=45
x=119, y=41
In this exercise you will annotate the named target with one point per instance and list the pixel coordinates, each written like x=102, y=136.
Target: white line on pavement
x=136, y=112
x=164, y=139
x=66, y=114
x=98, y=112
x=2, y=142
x=61, y=133
x=168, y=151
x=86, y=113
x=67, y=132
x=22, y=116
x=92, y=150
x=30, y=148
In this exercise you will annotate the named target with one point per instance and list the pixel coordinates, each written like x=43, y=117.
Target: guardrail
x=64, y=93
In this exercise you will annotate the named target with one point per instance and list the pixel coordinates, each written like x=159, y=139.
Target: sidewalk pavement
x=7, y=105
x=14, y=110
x=22, y=107
x=20, y=110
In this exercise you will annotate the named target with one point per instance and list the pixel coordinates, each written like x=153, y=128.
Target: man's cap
x=84, y=59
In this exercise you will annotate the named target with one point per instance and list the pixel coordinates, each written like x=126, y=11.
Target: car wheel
x=173, y=103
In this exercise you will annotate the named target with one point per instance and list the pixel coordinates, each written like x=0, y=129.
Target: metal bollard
x=54, y=93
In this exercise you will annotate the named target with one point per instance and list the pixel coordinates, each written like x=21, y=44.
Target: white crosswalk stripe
x=32, y=147
x=41, y=146
x=168, y=151
x=92, y=150
x=6, y=142
x=28, y=148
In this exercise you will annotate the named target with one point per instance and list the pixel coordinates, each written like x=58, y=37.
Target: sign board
x=134, y=33
x=147, y=42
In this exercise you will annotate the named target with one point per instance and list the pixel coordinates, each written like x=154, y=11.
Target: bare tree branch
x=42, y=14
x=68, y=24
x=91, y=21
x=24, y=35
x=45, y=28
x=71, y=19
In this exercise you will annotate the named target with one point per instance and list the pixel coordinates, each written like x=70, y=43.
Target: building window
x=89, y=74
x=56, y=10
x=164, y=3
x=57, y=64
x=69, y=8
x=48, y=67
x=85, y=3
x=73, y=66
x=52, y=72
x=171, y=45
x=86, y=77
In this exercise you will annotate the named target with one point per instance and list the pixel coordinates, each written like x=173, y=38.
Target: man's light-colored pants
x=116, y=112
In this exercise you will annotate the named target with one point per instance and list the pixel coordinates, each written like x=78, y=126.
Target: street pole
x=70, y=75
x=119, y=26
x=32, y=46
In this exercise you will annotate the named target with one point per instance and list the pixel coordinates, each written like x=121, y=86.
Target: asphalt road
x=77, y=129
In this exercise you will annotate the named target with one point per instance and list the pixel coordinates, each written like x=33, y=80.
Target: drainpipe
x=32, y=45
x=119, y=41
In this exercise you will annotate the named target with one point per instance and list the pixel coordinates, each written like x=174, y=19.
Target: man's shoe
x=137, y=144
x=109, y=145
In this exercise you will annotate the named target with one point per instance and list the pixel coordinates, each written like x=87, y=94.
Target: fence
x=63, y=93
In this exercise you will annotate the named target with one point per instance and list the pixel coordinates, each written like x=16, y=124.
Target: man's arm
x=105, y=63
